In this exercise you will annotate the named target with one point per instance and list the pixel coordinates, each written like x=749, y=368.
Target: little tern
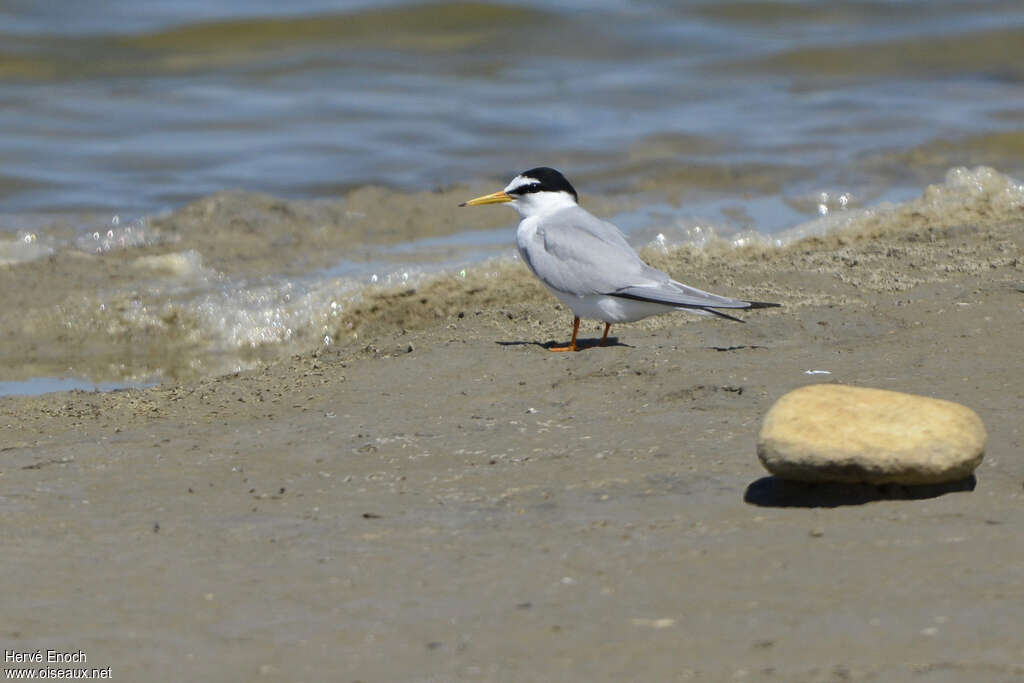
x=587, y=263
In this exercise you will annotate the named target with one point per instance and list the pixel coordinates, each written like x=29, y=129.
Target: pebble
x=834, y=432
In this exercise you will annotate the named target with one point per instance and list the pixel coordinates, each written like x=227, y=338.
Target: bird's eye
x=524, y=189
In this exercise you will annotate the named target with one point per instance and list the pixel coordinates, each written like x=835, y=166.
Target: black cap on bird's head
x=540, y=179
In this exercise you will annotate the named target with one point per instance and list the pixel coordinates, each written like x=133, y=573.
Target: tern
x=587, y=263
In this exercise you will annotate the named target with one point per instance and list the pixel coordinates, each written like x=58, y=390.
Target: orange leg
x=572, y=345
x=604, y=339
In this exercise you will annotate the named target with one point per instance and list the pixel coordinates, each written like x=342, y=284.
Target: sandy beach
x=274, y=407
x=437, y=497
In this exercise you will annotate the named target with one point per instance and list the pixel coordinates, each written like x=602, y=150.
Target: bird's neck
x=540, y=203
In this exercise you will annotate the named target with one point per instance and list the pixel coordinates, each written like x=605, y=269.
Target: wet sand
x=438, y=497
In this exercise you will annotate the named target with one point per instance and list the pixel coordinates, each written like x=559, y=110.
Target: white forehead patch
x=519, y=181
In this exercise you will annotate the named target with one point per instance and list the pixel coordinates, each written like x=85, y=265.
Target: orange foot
x=572, y=345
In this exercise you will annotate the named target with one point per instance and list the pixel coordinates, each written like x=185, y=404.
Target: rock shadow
x=785, y=493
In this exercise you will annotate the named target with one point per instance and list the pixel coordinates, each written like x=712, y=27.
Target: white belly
x=610, y=309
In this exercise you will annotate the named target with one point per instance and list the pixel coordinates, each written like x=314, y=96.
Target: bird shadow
x=785, y=493
x=581, y=343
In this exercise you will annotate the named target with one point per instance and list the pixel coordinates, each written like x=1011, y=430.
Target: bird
x=588, y=264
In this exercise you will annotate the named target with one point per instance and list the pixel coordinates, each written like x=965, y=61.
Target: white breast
x=526, y=236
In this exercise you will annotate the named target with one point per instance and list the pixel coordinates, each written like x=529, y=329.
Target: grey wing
x=576, y=253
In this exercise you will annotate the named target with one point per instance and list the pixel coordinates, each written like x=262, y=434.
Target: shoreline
x=203, y=292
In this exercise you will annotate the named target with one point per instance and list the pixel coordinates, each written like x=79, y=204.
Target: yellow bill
x=494, y=198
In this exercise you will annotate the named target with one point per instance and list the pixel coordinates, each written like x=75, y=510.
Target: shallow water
x=49, y=385
x=754, y=121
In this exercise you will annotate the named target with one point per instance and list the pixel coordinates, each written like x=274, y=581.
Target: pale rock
x=832, y=432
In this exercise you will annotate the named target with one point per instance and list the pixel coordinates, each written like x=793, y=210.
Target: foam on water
x=133, y=235
x=964, y=192
x=24, y=247
x=185, y=265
